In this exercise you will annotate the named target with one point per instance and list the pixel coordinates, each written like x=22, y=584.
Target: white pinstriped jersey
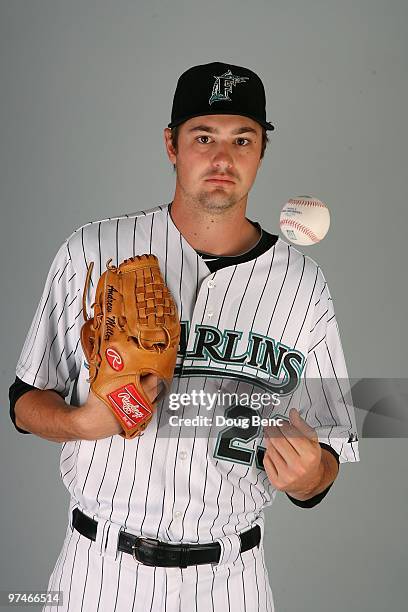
x=263, y=326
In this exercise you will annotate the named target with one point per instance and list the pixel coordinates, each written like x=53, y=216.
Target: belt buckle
x=152, y=555
x=152, y=544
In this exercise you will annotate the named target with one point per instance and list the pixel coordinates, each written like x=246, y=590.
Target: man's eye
x=238, y=139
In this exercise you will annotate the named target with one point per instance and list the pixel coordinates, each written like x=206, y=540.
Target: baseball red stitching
x=301, y=228
x=307, y=202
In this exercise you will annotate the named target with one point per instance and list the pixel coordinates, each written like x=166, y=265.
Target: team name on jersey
x=265, y=354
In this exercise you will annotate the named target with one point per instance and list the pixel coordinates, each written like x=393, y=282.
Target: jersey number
x=230, y=439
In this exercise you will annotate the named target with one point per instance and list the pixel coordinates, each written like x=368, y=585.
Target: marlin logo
x=223, y=86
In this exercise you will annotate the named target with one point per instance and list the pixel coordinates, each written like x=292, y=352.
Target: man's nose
x=222, y=157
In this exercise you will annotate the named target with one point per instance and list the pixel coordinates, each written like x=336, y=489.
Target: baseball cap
x=218, y=88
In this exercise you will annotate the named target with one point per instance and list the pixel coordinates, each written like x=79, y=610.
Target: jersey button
x=210, y=314
x=211, y=284
x=177, y=514
x=183, y=455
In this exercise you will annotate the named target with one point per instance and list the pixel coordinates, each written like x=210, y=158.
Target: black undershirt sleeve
x=17, y=389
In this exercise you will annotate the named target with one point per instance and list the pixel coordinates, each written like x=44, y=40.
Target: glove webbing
x=146, y=300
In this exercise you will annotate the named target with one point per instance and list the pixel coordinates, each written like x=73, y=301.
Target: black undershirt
x=216, y=262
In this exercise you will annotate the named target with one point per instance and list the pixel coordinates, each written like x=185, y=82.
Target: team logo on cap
x=223, y=86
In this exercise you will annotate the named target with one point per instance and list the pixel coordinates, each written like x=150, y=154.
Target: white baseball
x=304, y=220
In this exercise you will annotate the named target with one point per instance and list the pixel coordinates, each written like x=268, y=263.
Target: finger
x=270, y=469
x=276, y=468
x=279, y=432
x=296, y=427
x=152, y=386
x=161, y=391
x=272, y=431
x=297, y=439
x=149, y=382
x=284, y=448
x=301, y=425
x=278, y=459
x=158, y=392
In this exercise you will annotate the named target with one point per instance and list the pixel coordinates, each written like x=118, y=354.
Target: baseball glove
x=134, y=330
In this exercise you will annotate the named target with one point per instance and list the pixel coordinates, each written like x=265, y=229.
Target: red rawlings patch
x=114, y=359
x=129, y=405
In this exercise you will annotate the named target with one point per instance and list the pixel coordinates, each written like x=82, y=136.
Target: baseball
x=304, y=220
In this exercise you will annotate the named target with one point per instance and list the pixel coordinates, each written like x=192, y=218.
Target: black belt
x=154, y=552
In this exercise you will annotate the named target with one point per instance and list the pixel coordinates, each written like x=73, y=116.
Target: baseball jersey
x=261, y=328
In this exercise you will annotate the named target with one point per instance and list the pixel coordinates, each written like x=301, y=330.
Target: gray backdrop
x=86, y=90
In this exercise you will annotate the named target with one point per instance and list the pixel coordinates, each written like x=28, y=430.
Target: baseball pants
x=94, y=577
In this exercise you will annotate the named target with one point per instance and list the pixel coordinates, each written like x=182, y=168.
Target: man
x=257, y=321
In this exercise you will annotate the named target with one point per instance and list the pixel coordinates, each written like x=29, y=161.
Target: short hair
x=175, y=134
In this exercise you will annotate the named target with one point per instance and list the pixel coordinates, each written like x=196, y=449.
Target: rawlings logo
x=114, y=359
x=129, y=405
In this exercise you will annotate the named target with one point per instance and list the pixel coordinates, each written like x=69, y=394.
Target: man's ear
x=169, y=147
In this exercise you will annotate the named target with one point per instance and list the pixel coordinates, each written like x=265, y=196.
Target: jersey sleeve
x=326, y=401
x=50, y=358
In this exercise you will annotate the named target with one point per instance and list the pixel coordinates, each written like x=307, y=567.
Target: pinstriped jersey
x=257, y=338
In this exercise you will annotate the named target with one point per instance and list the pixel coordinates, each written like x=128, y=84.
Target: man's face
x=223, y=146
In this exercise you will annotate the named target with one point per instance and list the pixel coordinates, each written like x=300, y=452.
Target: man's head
x=218, y=127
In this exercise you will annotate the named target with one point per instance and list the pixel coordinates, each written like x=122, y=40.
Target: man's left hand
x=293, y=457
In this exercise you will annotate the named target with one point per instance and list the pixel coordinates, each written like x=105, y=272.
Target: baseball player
x=174, y=519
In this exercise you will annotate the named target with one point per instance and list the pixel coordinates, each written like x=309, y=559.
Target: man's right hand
x=94, y=420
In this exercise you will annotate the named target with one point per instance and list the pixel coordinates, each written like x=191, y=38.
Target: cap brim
x=265, y=124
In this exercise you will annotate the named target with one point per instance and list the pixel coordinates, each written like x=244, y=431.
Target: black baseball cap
x=219, y=89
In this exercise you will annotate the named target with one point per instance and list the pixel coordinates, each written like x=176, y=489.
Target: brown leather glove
x=135, y=330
